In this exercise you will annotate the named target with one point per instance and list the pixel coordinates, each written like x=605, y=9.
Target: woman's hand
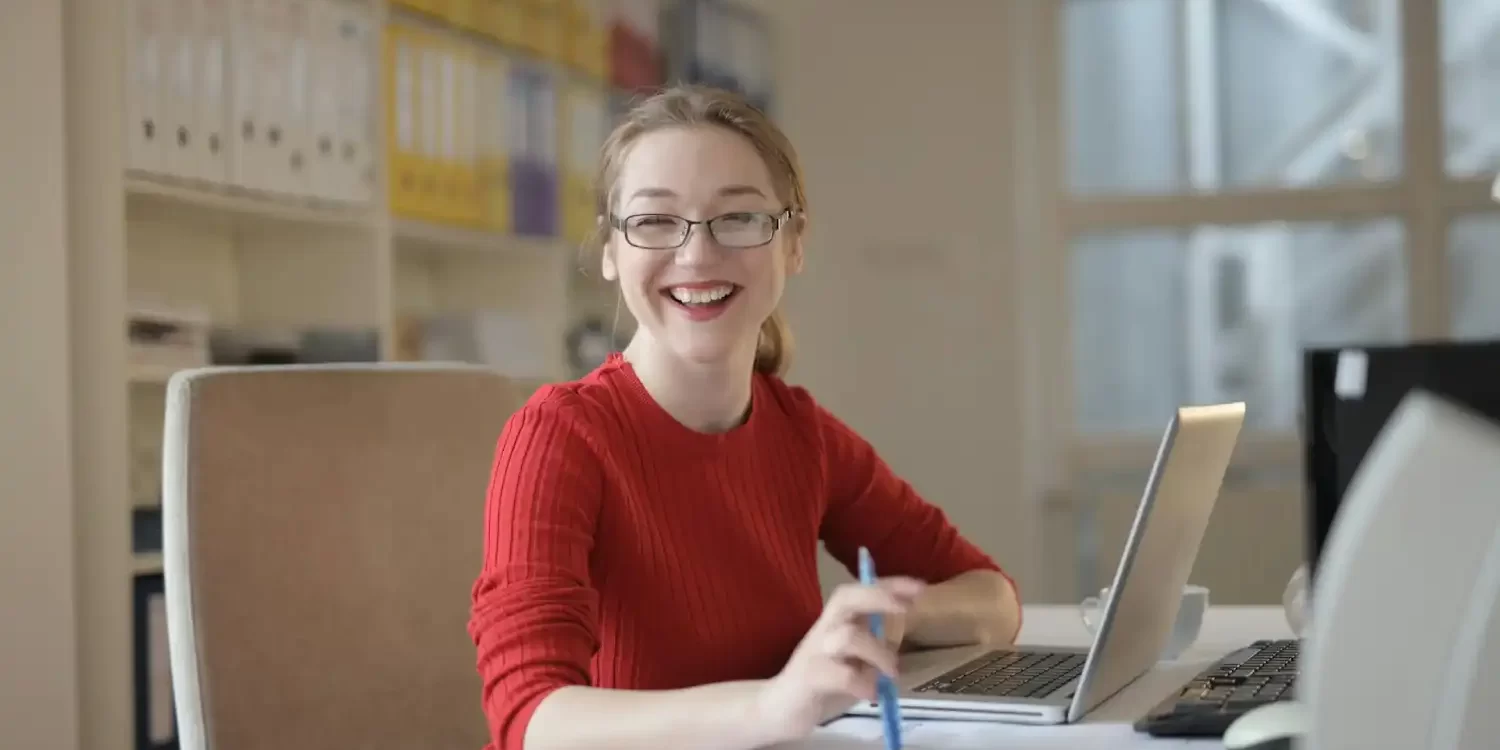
x=838, y=660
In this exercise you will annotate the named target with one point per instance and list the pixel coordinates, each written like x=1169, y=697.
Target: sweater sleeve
x=533, y=608
x=868, y=505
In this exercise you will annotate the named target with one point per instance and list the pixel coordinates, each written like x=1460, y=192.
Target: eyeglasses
x=738, y=230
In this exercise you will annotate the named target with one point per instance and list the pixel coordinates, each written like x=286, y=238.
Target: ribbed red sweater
x=623, y=549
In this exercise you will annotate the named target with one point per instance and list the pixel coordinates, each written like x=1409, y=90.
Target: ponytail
x=773, y=354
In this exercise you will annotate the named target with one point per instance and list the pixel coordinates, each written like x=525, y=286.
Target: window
x=1165, y=96
x=1218, y=313
x=1471, y=87
x=1239, y=179
x=1474, y=276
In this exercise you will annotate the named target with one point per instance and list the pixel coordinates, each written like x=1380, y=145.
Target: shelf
x=432, y=237
x=230, y=205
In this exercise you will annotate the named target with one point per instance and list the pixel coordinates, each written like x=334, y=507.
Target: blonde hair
x=692, y=106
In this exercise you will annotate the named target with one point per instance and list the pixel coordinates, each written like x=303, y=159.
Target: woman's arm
x=970, y=599
x=834, y=665
x=722, y=716
x=980, y=606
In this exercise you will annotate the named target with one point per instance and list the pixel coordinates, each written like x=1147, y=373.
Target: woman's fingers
x=852, y=643
x=890, y=596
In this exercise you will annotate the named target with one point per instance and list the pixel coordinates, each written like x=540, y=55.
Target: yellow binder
x=502, y=20
x=542, y=29
x=403, y=124
x=463, y=170
x=586, y=37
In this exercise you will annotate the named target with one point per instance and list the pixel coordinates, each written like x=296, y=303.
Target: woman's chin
x=706, y=350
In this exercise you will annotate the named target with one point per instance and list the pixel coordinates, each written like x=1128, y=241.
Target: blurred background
x=1037, y=226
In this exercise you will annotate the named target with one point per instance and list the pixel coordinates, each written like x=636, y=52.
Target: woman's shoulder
x=796, y=403
x=589, y=403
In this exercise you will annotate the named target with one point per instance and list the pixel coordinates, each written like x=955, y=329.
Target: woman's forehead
x=699, y=163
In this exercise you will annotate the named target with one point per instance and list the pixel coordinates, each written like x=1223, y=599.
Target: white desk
x=1225, y=629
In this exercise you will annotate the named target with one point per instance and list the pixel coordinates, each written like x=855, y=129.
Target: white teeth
x=700, y=296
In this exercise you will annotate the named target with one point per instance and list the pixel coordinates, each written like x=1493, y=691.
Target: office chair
x=323, y=526
x=1404, y=642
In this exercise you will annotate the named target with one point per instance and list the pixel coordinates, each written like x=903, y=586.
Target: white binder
x=357, y=67
x=325, y=21
x=249, y=148
x=294, y=110
x=145, y=29
x=179, y=104
x=212, y=102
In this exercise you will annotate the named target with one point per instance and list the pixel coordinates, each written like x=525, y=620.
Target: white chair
x=323, y=526
x=1404, y=642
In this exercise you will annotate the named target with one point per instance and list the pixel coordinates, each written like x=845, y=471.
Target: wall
x=38, y=677
x=905, y=316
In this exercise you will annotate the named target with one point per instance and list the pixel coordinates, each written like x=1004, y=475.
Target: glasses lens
x=742, y=229
x=654, y=231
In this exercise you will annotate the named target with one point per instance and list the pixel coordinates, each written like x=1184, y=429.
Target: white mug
x=1185, y=630
x=1294, y=600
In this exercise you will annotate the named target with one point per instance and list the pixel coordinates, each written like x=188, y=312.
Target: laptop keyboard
x=1009, y=674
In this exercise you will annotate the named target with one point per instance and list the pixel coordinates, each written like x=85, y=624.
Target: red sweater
x=625, y=550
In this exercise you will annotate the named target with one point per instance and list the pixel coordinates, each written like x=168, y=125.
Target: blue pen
x=890, y=709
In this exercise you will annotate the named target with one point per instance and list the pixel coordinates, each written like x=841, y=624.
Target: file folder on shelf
x=268, y=52
x=586, y=37
x=467, y=205
x=356, y=63
x=463, y=14
x=493, y=123
x=326, y=49
x=179, y=102
x=295, y=114
x=145, y=44
x=634, y=45
x=722, y=44
x=432, y=134
x=543, y=28
x=211, y=105
x=587, y=122
x=503, y=20
x=533, y=168
x=249, y=64
x=403, y=126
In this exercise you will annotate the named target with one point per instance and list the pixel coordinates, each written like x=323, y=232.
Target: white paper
x=857, y=733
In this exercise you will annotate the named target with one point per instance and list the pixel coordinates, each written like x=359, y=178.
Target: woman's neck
x=711, y=398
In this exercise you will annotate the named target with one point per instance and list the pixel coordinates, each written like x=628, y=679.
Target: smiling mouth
x=697, y=298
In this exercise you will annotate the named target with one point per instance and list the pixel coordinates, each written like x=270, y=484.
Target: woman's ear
x=794, y=246
x=607, y=267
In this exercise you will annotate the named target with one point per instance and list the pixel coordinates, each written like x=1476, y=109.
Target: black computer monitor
x=1343, y=412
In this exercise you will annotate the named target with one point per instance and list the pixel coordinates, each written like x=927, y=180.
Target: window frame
x=1422, y=197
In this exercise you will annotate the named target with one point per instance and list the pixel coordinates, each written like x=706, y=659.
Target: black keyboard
x=1009, y=674
x=1263, y=672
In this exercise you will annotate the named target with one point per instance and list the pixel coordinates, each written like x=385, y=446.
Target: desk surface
x=1225, y=629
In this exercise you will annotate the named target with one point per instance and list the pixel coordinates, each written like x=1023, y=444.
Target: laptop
x=1047, y=685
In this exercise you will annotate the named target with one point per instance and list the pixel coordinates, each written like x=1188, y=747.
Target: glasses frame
x=778, y=220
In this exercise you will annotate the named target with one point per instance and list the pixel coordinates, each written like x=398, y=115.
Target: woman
x=650, y=575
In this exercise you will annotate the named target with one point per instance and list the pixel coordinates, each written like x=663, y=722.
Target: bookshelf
x=336, y=180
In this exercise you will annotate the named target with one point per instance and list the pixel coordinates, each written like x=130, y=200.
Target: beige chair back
x=323, y=526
